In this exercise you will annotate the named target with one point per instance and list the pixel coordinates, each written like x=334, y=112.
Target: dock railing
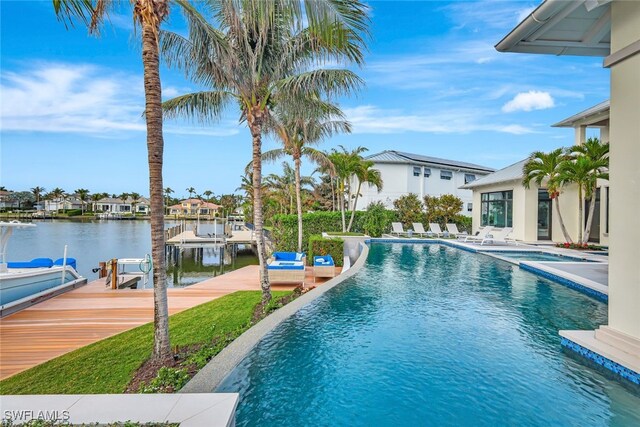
x=174, y=231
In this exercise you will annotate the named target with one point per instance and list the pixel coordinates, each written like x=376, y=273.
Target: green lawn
x=107, y=366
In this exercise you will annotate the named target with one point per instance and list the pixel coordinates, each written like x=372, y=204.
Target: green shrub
x=463, y=222
x=377, y=219
x=409, y=209
x=74, y=212
x=167, y=380
x=319, y=246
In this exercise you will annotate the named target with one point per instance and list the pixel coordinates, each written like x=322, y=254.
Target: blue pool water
x=538, y=256
x=431, y=335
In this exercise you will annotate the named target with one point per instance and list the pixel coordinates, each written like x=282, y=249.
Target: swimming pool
x=537, y=256
x=431, y=335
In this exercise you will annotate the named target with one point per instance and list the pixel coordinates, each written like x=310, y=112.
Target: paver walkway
x=94, y=312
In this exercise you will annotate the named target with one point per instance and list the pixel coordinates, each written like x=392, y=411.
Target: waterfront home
x=500, y=199
x=194, y=207
x=404, y=173
x=609, y=29
x=117, y=205
x=7, y=200
x=60, y=204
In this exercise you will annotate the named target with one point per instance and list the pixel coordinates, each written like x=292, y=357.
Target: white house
x=404, y=173
x=190, y=207
x=609, y=29
x=117, y=205
x=500, y=199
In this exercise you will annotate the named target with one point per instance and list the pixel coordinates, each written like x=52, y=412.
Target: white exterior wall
x=398, y=181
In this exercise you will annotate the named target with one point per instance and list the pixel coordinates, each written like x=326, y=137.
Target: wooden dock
x=94, y=312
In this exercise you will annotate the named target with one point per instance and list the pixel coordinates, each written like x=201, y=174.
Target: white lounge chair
x=418, y=228
x=498, y=236
x=453, y=230
x=396, y=228
x=435, y=229
x=482, y=234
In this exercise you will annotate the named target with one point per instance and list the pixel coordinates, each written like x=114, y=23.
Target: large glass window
x=497, y=209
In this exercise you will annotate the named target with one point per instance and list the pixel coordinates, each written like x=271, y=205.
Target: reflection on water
x=195, y=265
x=93, y=241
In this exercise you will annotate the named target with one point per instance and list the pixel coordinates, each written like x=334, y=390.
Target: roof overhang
x=596, y=116
x=562, y=27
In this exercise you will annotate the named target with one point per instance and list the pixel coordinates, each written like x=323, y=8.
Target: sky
x=71, y=103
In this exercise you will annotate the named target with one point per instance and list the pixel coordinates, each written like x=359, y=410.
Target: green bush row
x=319, y=246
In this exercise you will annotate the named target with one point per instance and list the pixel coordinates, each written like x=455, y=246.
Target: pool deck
x=94, y=312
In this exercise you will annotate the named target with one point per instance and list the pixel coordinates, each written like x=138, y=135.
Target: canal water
x=93, y=241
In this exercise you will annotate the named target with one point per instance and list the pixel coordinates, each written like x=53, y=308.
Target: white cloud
x=528, y=101
x=369, y=119
x=72, y=98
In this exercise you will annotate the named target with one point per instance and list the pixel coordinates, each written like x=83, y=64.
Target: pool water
x=431, y=335
x=538, y=256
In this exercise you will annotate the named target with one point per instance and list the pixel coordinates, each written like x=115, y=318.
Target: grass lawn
x=108, y=366
x=340, y=233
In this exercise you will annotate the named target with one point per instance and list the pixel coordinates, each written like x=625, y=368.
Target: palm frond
x=203, y=106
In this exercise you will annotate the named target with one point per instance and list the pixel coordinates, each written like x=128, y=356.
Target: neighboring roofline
x=479, y=183
x=548, y=13
x=599, y=110
x=443, y=163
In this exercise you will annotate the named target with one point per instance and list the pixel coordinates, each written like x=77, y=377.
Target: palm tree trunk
x=580, y=213
x=255, y=120
x=563, y=227
x=355, y=203
x=155, y=148
x=592, y=208
x=333, y=195
x=296, y=162
x=341, y=195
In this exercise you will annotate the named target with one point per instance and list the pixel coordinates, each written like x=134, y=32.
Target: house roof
x=392, y=156
x=129, y=200
x=560, y=27
x=590, y=116
x=200, y=203
x=510, y=173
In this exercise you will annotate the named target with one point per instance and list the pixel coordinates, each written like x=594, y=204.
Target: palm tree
x=167, y=194
x=135, y=199
x=37, y=192
x=191, y=192
x=148, y=14
x=542, y=167
x=300, y=129
x=208, y=194
x=346, y=164
x=262, y=54
x=57, y=195
x=83, y=195
x=95, y=198
x=365, y=174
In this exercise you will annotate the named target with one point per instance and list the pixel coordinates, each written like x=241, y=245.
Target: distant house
x=117, y=205
x=7, y=200
x=405, y=173
x=194, y=207
x=55, y=205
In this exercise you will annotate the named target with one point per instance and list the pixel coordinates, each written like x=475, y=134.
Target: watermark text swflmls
x=26, y=415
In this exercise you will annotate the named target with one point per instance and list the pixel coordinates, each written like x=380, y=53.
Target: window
x=469, y=207
x=416, y=171
x=427, y=172
x=446, y=175
x=497, y=209
x=469, y=178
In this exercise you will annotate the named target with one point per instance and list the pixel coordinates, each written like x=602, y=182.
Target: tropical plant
x=135, y=199
x=442, y=209
x=298, y=130
x=377, y=219
x=544, y=169
x=409, y=208
x=207, y=195
x=345, y=163
x=167, y=197
x=37, y=193
x=148, y=15
x=57, y=195
x=597, y=152
x=83, y=195
x=365, y=174
x=264, y=53
x=191, y=192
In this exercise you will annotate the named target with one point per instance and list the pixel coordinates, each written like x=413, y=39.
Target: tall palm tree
x=207, y=194
x=83, y=195
x=543, y=167
x=346, y=164
x=135, y=199
x=365, y=174
x=298, y=131
x=191, y=192
x=37, y=192
x=167, y=194
x=264, y=53
x=148, y=15
x=598, y=152
x=58, y=195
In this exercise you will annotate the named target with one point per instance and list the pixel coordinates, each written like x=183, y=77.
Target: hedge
x=318, y=245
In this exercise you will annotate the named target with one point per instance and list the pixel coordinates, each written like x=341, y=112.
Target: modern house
x=194, y=207
x=609, y=29
x=117, y=205
x=405, y=173
x=500, y=199
x=55, y=205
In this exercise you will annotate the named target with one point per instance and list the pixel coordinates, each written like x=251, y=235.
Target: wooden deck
x=93, y=312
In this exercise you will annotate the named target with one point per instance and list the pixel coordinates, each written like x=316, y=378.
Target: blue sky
x=435, y=85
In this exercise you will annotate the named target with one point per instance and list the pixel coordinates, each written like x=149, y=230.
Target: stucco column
x=624, y=221
x=580, y=134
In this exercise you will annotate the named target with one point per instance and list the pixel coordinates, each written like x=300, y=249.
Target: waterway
x=93, y=241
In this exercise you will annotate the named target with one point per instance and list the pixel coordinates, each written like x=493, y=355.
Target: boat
x=23, y=284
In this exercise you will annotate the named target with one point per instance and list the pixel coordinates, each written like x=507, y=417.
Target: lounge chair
x=498, y=236
x=418, y=228
x=323, y=266
x=287, y=267
x=396, y=228
x=453, y=231
x=480, y=236
x=434, y=228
